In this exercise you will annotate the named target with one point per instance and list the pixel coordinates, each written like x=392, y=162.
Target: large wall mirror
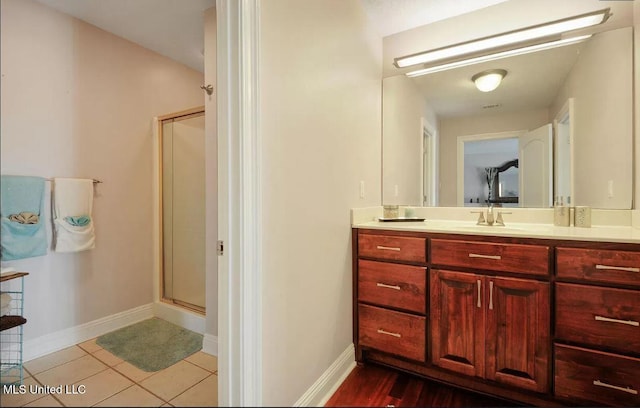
x=575, y=101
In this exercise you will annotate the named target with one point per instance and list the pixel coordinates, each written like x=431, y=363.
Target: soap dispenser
x=561, y=216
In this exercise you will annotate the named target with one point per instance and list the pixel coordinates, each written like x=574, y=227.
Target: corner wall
x=78, y=102
x=636, y=100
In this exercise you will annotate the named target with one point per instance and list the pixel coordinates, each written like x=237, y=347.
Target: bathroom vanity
x=542, y=318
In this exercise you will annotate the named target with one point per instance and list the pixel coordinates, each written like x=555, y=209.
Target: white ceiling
x=394, y=16
x=173, y=28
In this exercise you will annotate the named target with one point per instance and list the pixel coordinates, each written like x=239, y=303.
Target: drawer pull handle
x=610, y=320
x=618, y=268
x=386, y=248
x=383, y=285
x=479, y=302
x=496, y=257
x=491, y=295
x=398, y=335
x=615, y=387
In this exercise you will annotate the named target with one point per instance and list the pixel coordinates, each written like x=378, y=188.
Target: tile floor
x=112, y=382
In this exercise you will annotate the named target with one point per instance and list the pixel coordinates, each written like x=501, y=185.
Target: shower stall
x=182, y=198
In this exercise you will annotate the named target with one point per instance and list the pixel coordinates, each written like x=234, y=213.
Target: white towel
x=5, y=304
x=5, y=299
x=72, y=198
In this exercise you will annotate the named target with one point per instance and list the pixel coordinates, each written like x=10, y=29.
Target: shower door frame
x=185, y=114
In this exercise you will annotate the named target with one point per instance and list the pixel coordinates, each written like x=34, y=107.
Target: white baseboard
x=179, y=316
x=210, y=344
x=324, y=387
x=59, y=340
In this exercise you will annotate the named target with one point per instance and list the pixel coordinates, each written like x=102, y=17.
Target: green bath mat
x=151, y=345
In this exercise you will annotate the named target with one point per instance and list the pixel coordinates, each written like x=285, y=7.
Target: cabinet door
x=457, y=321
x=517, y=336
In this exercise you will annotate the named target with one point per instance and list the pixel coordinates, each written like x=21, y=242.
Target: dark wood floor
x=375, y=386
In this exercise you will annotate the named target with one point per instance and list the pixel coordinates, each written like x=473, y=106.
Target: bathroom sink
x=471, y=227
x=476, y=227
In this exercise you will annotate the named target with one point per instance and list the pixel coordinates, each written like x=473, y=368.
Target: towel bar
x=94, y=181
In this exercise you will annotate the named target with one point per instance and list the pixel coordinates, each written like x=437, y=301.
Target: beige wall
x=451, y=129
x=636, y=78
x=601, y=84
x=79, y=102
x=320, y=99
x=403, y=109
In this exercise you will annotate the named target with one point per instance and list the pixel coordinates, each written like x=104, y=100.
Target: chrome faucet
x=491, y=217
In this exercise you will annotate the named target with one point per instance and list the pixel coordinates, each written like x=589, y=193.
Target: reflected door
x=183, y=210
x=536, y=181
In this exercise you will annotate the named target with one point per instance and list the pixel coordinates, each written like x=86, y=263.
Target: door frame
x=566, y=112
x=239, y=204
x=429, y=183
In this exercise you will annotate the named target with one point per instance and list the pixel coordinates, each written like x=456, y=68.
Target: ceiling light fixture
x=487, y=81
x=542, y=32
x=496, y=56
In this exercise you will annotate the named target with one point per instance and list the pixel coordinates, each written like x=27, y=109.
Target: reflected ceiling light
x=548, y=31
x=496, y=56
x=487, y=81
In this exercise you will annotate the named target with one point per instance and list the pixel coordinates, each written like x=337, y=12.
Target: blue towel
x=19, y=194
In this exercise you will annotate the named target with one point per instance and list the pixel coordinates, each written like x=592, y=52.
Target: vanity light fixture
x=487, y=81
x=523, y=37
x=496, y=56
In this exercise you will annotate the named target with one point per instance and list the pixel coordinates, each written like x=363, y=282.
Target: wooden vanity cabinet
x=457, y=321
x=493, y=327
x=597, y=330
x=517, y=333
x=543, y=322
x=390, y=289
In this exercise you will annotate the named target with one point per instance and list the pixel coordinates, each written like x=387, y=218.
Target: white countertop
x=603, y=233
x=520, y=230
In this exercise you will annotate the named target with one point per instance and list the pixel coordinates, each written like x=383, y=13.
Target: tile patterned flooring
x=111, y=382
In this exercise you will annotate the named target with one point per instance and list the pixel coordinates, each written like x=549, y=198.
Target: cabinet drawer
x=410, y=249
x=518, y=258
x=598, y=316
x=394, y=285
x=397, y=333
x=599, y=265
x=595, y=376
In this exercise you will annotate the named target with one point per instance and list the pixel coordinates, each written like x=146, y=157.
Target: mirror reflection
x=564, y=115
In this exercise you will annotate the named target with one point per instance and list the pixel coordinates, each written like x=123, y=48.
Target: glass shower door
x=183, y=210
